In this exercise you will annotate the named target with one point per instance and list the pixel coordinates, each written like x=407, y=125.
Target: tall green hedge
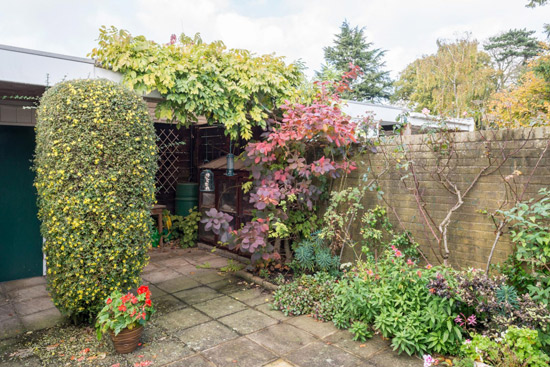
x=95, y=169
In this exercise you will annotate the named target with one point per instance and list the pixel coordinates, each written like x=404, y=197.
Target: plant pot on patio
x=123, y=317
x=127, y=340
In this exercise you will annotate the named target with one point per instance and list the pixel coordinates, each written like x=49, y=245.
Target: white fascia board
x=26, y=66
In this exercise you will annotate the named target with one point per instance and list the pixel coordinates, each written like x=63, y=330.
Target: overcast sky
x=297, y=29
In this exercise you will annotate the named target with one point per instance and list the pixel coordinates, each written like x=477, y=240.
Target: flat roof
x=46, y=54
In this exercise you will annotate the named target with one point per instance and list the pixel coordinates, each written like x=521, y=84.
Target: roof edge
x=46, y=54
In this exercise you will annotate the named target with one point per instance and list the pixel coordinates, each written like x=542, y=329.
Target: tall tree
x=452, y=82
x=510, y=52
x=527, y=103
x=351, y=46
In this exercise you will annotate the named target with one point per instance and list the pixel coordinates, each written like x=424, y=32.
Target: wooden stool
x=157, y=210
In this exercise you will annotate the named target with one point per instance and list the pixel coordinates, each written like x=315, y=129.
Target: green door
x=20, y=239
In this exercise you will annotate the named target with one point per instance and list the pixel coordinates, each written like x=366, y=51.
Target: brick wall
x=471, y=233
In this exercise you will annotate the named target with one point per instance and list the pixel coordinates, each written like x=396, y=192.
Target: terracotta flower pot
x=127, y=340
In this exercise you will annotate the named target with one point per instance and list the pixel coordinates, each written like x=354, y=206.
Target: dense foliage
x=351, y=46
x=515, y=347
x=527, y=103
x=289, y=170
x=232, y=87
x=183, y=231
x=393, y=297
x=510, y=52
x=450, y=82
x=95, y=168
x=307, y=295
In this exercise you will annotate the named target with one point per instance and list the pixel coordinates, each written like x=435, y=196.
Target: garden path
x=205, y=318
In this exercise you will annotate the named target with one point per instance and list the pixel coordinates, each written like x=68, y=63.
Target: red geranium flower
x=143, y=289
x=134, y=300
x=148, y=302
x=109, y=300
x=122, y=308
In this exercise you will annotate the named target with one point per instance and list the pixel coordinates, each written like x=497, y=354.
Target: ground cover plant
x=95, y=169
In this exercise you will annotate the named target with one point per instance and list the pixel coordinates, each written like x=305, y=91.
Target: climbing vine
x=229, y=86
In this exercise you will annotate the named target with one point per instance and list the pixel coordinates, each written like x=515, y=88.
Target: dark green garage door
x=20, y=240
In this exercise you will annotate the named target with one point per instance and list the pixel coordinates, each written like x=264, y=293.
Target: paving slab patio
x=205, y=318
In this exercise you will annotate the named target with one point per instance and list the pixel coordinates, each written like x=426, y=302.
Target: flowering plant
x=123, y=311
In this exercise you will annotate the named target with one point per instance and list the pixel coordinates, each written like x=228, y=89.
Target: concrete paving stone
x=268, y=310
x=33, y=305
x=22, y=294
x=229, y=285
x=181, y=319
x=152, y=332
x=367, y=349
x=151, y=267
x=186, y=269
x=219, y=262
x=319, y=354
x=156, y=292
x=282, y=338
x=22, y=283
x=195, y=361
x=7, y=311
x=205, y=336
x=220, y=306
x=247, y=321
x=240, y=352
x=11, y=327
x=173, y=262
x=43, y=319
x=207, y=277
x=252, y=297
x=279, y=363
x=160, y=276
x=178, y=284
x=391, y=358
x=197, y=295
x=160, y=352
x=317, y=328
x=167, y=303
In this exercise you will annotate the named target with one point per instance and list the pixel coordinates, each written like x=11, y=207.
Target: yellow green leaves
x=233, y=87
x=95, y=185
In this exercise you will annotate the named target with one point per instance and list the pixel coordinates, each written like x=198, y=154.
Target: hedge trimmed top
x=229, y=86
x=96, y=159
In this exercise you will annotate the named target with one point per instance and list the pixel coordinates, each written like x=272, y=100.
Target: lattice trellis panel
x=169, y=146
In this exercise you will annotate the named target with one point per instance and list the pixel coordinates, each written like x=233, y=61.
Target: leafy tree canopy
x=351, y=46
x=511, y=51
x=528, y=103
x=534, y=3
x=230, y=86
x=451, y=82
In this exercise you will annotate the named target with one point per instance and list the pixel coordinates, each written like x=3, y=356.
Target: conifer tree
x=351, y=46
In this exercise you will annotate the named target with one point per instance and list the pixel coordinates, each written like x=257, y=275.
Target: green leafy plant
x=95, y=164
x=361, y=331
x=311, y=255
x=392, y=295
x=516, y=347
x=123, y=311
x=307, y=295
x=232, y=266
x=183, y=229
x=197, y=78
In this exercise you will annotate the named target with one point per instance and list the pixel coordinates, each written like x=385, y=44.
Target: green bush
x=393, y=296
x=95, y=169
x=516, y=347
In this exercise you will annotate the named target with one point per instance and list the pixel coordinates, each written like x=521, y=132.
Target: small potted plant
x=124, y=316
